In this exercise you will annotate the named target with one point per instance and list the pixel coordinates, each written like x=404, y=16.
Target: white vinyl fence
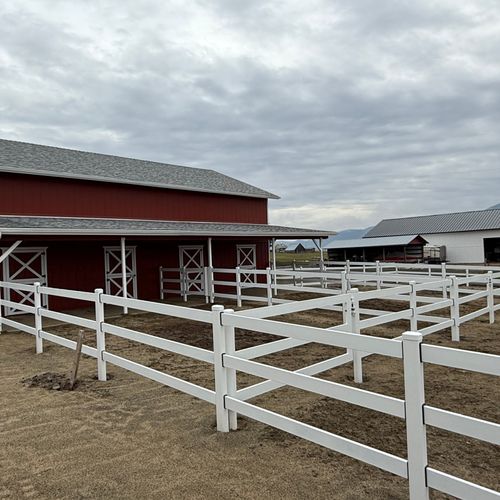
x=230, y=400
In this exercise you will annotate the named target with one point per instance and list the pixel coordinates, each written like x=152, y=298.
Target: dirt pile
x=51, y=381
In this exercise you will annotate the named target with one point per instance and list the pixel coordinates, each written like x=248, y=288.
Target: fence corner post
x=220, y=372
x=1, y=324
x=414, y=414
x=100, y=335
x=491, y=298
x=231, y=372
x=455, y=309
x=38, y=318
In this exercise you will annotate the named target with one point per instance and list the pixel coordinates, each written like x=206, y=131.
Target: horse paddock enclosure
x=130, y=436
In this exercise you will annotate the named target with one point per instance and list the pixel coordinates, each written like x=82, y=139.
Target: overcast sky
x=350, y=110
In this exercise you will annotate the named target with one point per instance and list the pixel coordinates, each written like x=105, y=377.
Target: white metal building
x=469, y=237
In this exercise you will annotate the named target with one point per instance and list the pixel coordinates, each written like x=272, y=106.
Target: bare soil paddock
x=133, y=438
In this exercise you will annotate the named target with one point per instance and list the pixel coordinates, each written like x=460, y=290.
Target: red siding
x=36, y=195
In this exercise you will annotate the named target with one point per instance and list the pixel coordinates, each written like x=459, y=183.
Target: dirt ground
x=130, y=437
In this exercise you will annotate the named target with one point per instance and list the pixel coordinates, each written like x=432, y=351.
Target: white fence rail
x=227, y=361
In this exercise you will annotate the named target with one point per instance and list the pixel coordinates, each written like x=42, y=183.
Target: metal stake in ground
x=76, y=361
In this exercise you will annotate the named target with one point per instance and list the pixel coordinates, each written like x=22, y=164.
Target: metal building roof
x=479, y=220
x=73, y=226
x=35, y=159
x=372, y=242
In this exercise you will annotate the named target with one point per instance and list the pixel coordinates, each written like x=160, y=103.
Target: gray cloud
x=351, y=111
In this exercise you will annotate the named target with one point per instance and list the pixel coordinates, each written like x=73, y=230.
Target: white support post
x=491, y=297
x=443, y=275
x=123, y=256
x=467, y=276
x=415, y=427
x=357, y=355
x=238, y=287
x=274, y=268
x=413, y=307
x=321, y=263
x=269, y=287
x=38, y=319
x=377, y=272
x=455, y=310
x=221, y=376
x=100, y=336
x=294, y=268
x=230, y=372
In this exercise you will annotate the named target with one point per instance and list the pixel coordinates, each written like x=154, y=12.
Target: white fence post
x=211, y=284
x=206, y=285
x=38, y=318
x=294, y=268
x=377, y=272
x=238, y=287
x=343, y=281
x=269, y=287
x=100, y=336
x=415, y=427
x=455, y=310
x=443, y=275
x=491, y=297
x=162, y=293
x=221, y=376
x=357, y=358
x=413, y=307
x=230, y=372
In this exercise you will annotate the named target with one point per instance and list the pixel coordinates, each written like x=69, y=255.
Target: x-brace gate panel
x=27, y=266
x=246, y=258
x=113, y=270
x=192, y=274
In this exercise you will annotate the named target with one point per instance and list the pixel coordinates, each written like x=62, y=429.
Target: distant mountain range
x=346, y=234
x=495, y=207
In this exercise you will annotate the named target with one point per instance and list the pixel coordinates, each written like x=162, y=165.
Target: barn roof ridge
x=25, y=158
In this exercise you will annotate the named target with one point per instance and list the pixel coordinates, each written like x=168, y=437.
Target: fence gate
x=113, y=271
x=246, y=260
x=28, y=266
x=192, y=274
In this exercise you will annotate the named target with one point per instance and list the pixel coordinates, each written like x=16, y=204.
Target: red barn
x=67, y=219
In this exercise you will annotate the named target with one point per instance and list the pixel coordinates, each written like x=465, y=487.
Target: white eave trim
x=121, y=232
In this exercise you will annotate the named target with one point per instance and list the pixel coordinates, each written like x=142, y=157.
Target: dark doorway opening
x=492, y=249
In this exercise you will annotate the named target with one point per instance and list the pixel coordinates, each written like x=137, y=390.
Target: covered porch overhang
x=122, y=232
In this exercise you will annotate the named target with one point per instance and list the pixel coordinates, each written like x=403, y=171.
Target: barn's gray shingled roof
x=35, y=159
x=21, y=225
x=479, y=220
